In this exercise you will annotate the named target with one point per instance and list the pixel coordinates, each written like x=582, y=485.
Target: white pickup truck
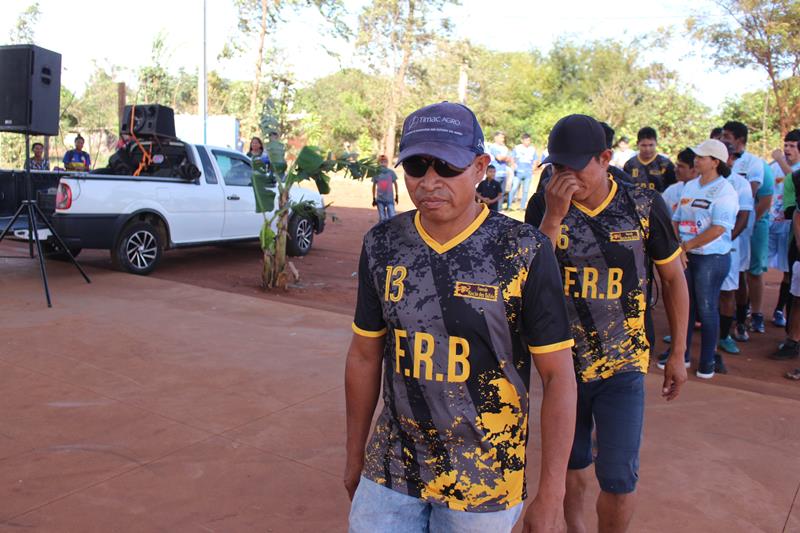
x=137, y=218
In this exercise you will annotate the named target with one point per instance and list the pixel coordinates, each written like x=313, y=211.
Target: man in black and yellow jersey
x=454, y=303
x=605, y=233
x=648, y=168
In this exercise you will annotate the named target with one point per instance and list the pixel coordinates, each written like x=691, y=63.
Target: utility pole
x=463, y=80
x=202, y=80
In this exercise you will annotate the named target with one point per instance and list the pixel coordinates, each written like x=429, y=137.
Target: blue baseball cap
x=446, y=131
x=574, y=140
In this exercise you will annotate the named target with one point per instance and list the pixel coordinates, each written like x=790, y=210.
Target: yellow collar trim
x=645, y=163
x=599, y=208
x=455, y=241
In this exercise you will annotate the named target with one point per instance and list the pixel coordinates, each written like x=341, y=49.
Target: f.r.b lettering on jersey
x=419, y=358
x=591, y=283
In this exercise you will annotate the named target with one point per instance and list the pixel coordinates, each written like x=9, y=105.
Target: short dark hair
x=646, y=133
x=491, y=166
x=34, y=145
x=738, y=129
x=686, y=156
x=526, y=136
x=716, y=133
x=624, y=139
x=609, y=131
x=792, y=136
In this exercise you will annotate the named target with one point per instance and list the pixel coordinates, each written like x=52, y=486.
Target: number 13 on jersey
x=394, y=283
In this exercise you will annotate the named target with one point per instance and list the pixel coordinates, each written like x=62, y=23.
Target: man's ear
x=480, y=165
x=605, y=158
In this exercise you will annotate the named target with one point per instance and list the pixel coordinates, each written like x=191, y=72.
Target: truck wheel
x=138, y=249
x=53, y=250
x=301, y=236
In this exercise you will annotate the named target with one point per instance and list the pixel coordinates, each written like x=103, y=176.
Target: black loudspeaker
x=149, y=119
x=30, y=89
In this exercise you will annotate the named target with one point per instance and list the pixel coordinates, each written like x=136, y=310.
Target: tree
x=257, y=20
x=24, y=31
x=759, y=33
x=390, y=32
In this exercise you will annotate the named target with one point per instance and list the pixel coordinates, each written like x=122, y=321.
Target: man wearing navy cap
x=454, y=302
x=605, y=232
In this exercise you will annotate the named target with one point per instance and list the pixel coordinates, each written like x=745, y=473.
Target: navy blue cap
x=446, y=131
x=574, y=140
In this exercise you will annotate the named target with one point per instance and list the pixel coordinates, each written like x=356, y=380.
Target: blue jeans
x=520, y=178
x=385, y=210
x=376, y=509
x=704, y=276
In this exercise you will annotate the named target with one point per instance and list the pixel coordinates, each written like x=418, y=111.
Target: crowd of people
x=456, y=303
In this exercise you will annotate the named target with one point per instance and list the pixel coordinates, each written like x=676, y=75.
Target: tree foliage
x=24, y=30
x=759, y=33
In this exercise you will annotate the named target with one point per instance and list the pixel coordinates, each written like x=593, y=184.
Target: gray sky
x=121, y=34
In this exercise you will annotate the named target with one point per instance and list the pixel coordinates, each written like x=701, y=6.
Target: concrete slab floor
x=138, y=404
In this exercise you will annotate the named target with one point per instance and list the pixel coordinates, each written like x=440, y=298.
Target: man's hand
x=558, y=194
x=352, y=475
x=778, y=155
x=545, y=515
x=374, y=202
x=674, y=376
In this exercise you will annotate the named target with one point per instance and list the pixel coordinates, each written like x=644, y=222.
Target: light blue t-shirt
x=524, y=157
x=749, y=167
x=767, y=189
x=703, y=206
x=501, y=167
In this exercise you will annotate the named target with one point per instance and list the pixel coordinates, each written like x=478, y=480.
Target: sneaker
x=662, y=361
x=741, y=333
x=728, y=345
x=719, y=365
x=778, y=319
x=788, y=350
x=667, y=339
x=705, y=373
x=757, y=323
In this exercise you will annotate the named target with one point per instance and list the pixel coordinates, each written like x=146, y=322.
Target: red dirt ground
x=328, y=282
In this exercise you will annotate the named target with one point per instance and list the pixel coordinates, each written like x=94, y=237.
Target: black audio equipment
x=30, y=89
x=148, y=120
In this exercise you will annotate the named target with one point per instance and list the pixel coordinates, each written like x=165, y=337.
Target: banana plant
x=272, y=183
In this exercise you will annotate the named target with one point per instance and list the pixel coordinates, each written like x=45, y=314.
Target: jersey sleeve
x=662, y=244
x=368, y=321
x=66, y=156
x=669, y=174
x=628, y=166
x=746, y=199
x=755, y=174
x=544, y=311
x=534, y=212
x=724, y=210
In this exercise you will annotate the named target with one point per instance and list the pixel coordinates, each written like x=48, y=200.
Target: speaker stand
x=30, y=208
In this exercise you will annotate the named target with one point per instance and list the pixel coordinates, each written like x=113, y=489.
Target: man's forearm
x=741, y=223
x=676, y=301
x=763, y=206
x=550, y=227
x=557, y=420
x=362, y=386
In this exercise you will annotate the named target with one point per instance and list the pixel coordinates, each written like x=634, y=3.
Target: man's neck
x=598, y=196
x=443, y=232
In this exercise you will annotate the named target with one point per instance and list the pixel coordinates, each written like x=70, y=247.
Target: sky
x=112, y=33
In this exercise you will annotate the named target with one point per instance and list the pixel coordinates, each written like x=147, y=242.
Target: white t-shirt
x=750, y=168
x=703, y=206
x=672, y=196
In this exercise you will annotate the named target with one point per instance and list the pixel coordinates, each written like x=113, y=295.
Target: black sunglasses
x=416, y=166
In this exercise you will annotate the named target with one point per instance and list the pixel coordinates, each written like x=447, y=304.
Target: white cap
x=713, y=148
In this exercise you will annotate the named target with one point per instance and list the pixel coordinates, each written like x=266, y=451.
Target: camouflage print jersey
x=461, y=321
x=658, y=173
x=603, y=255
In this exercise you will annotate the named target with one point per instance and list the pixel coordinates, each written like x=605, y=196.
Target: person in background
x=649, y=168
x=76, y=159
x=779, y=232
x=488, y=191
x=623, y=152
x=500, y=158
x=382, y=184
x=716, y=133
x=616, y=172
x=727, y=305
x=523, y=157
x=751, y=168
x=256, y=148
x=684, y=172
x=759, y=249
x=704, y=220
x=37, y=162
